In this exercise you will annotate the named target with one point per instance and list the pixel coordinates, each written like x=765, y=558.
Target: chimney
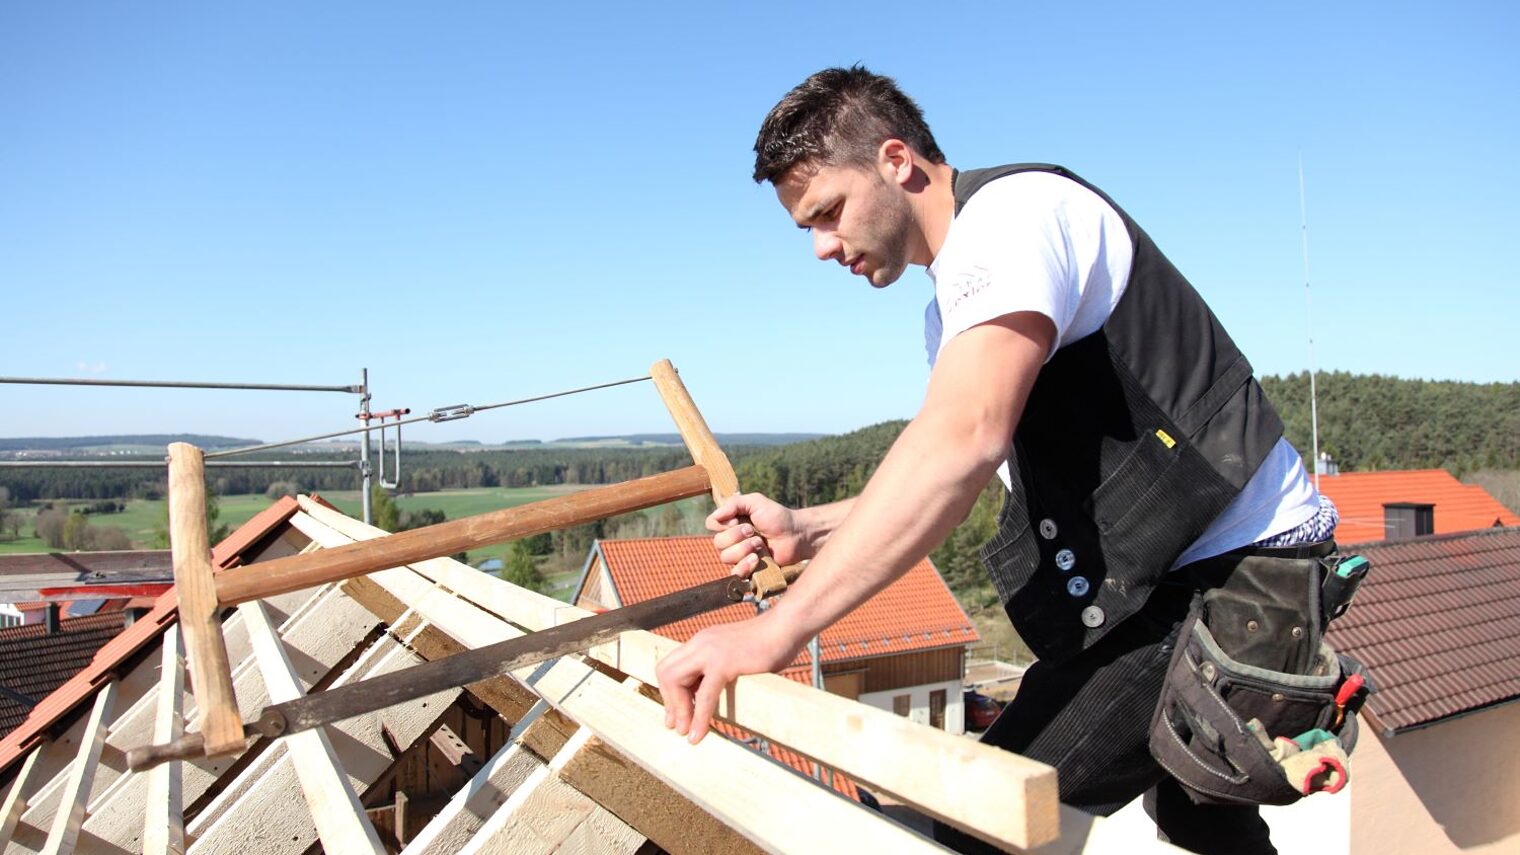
x=1404, y=520
x=51, y=618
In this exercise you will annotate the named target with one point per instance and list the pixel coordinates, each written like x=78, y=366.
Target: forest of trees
x=1369, y=421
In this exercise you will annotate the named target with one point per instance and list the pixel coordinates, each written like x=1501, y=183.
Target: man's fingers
x=723, y=517
x=704, y=705
x=675, y=679
x=746, y=566
x=734, y=535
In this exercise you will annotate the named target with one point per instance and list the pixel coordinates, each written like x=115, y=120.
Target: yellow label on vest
x=1165, y=438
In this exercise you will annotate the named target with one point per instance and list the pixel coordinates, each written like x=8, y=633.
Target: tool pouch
x=1251, y=666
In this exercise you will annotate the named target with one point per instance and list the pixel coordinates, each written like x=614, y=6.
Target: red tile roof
x=34, y=662
x=1438, y=623
x=840, y=782
x=916, y=612
x=1360, y=496
x=145, y=630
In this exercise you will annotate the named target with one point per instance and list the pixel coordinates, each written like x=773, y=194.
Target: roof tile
x=916, y=612
x=1437, y=621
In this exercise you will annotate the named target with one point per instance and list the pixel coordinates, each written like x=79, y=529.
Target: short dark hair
x=839, y=116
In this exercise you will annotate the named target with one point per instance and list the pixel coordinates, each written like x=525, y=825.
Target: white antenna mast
x=1303, y=218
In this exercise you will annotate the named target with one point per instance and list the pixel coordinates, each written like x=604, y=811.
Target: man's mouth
x=858, y=265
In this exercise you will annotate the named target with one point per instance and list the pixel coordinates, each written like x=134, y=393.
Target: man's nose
x=826, y=245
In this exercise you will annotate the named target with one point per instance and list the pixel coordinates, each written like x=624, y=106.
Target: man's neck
x=936, y=210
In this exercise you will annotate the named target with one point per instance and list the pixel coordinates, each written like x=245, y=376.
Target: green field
x=142, y=517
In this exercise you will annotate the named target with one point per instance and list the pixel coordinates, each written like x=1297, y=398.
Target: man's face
x=856, y=215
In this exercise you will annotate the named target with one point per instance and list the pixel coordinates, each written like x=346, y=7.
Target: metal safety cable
x=440, y=414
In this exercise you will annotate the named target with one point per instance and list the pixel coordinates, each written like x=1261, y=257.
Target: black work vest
x=1133, y=441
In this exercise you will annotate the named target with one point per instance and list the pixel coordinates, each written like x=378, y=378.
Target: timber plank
x=16, y=798
x=544, y=815
x=116, y=817
x=263, y=810
x=473, y=804
x=341, y=822
x=999, y=796
x=163, y=818
x=76, y=791
x=719, y=776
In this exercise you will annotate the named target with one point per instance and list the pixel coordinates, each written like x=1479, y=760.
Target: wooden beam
x=116, y=815
x=76, y=792
x=672, y=822
x=241, y=584
x=1007, y=799
x=544, y=814
x=27, y=781
x=453, y=826
x=262, y=809
x=341, y=822
x=640, y=799
x=211, y=672
x=164, y=820
x=719, y=776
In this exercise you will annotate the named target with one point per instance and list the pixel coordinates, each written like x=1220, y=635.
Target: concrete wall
x=955, y=712
x=1453, y=787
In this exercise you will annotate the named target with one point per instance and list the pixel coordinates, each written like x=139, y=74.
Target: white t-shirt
x=1039, y=242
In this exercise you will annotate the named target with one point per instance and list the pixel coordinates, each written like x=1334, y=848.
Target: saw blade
x=494, y=660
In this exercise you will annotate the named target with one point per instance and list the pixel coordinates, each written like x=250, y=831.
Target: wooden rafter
x=340, y=819
x=163, y=819
x=719, y=776
x=76, y=790
x=17, y=797
x=999, y=796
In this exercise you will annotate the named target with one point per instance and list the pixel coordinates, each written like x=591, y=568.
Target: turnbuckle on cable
x=451, y=413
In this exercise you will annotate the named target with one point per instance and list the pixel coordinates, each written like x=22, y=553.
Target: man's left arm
x=924, y=487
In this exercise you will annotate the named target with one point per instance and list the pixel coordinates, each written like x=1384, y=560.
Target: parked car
x=981, y=710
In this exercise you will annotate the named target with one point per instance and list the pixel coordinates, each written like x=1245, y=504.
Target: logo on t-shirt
x=968, y=284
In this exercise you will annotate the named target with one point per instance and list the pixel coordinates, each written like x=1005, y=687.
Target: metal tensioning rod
x=178, y=384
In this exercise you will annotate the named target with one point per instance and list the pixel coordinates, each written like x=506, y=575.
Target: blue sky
x=485, y=201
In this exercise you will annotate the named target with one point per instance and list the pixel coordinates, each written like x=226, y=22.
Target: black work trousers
x=1090, y=718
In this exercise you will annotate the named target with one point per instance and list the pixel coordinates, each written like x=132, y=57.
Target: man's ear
x=894, y=161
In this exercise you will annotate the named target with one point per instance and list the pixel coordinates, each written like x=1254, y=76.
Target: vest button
x=1077, y=586
x=1092, y=617
x=1048, y=529
x=1065, y=560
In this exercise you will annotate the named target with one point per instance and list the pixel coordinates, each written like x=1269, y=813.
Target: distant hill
x=116, y=442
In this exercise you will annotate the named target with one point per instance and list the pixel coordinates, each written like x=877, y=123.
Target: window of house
x=902, y=704
x=937, y=709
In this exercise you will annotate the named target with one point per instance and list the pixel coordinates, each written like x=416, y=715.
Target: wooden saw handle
x=770, y=578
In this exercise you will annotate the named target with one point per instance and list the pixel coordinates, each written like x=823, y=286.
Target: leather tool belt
x=1257, y=708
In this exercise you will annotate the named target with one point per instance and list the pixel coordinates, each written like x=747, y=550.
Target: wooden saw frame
x=203, y=593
